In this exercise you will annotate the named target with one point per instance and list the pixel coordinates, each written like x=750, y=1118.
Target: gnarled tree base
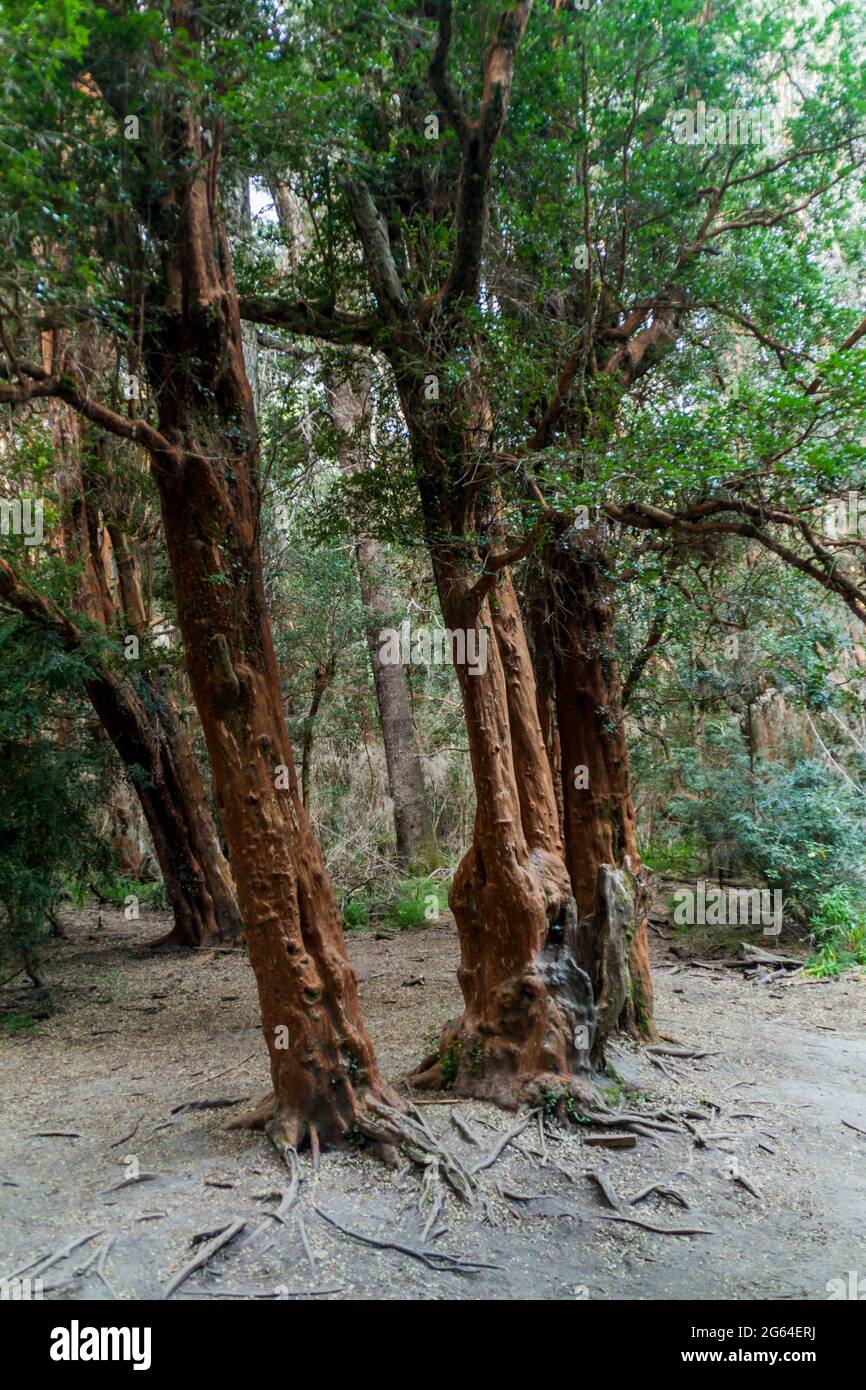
x=343, y=1119
x=529, y=1039
x=542, y=1032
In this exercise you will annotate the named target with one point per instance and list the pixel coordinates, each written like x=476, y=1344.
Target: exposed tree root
x=389, y=1128
x=649, y=1226
x=438, y=1260
x=212, y=1248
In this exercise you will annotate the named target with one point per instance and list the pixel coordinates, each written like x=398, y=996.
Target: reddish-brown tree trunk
x=528, y=1022
x=529, y=1016
x=323, y=1066
x=574, y=649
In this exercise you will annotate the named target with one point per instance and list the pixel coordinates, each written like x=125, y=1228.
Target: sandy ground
x=136, y=1035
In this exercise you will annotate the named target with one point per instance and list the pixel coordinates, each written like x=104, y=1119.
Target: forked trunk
x=528, y=1021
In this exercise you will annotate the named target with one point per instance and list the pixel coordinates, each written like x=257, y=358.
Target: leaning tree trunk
x=148, y=734
x=153, y=773
x=575, y=657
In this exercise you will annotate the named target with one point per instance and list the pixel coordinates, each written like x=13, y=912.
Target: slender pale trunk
x=417, y=850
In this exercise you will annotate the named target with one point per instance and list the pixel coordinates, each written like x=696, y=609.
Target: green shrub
x=53, y=773
x=416, y=902
x=413, y=902
x=839, y=930
x=356, y=913
x=798, y=829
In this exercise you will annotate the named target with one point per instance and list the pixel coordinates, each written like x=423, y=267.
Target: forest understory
x=752, y=1146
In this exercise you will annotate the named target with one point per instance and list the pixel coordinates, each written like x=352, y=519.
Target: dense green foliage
x=54, y=777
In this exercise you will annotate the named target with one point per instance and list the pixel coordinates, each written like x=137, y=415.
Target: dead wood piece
x=749, y=1186
x=605, y=1186
x=683, y=1053
x=610, y=1141
x=219, y=1103
x=197, y=1085
x=126, y=1137
x=281, y=1291
x=129, y=1182
x=43, y=1262
x=664, y=1190
x=756, y=955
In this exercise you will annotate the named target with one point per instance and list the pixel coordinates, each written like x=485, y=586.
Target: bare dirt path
x=96, y=1094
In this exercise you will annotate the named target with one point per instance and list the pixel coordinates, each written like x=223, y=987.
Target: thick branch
x=479, y=141
x=36, y=384
x=379, y=259
x=330, y=325
x=438, y=73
